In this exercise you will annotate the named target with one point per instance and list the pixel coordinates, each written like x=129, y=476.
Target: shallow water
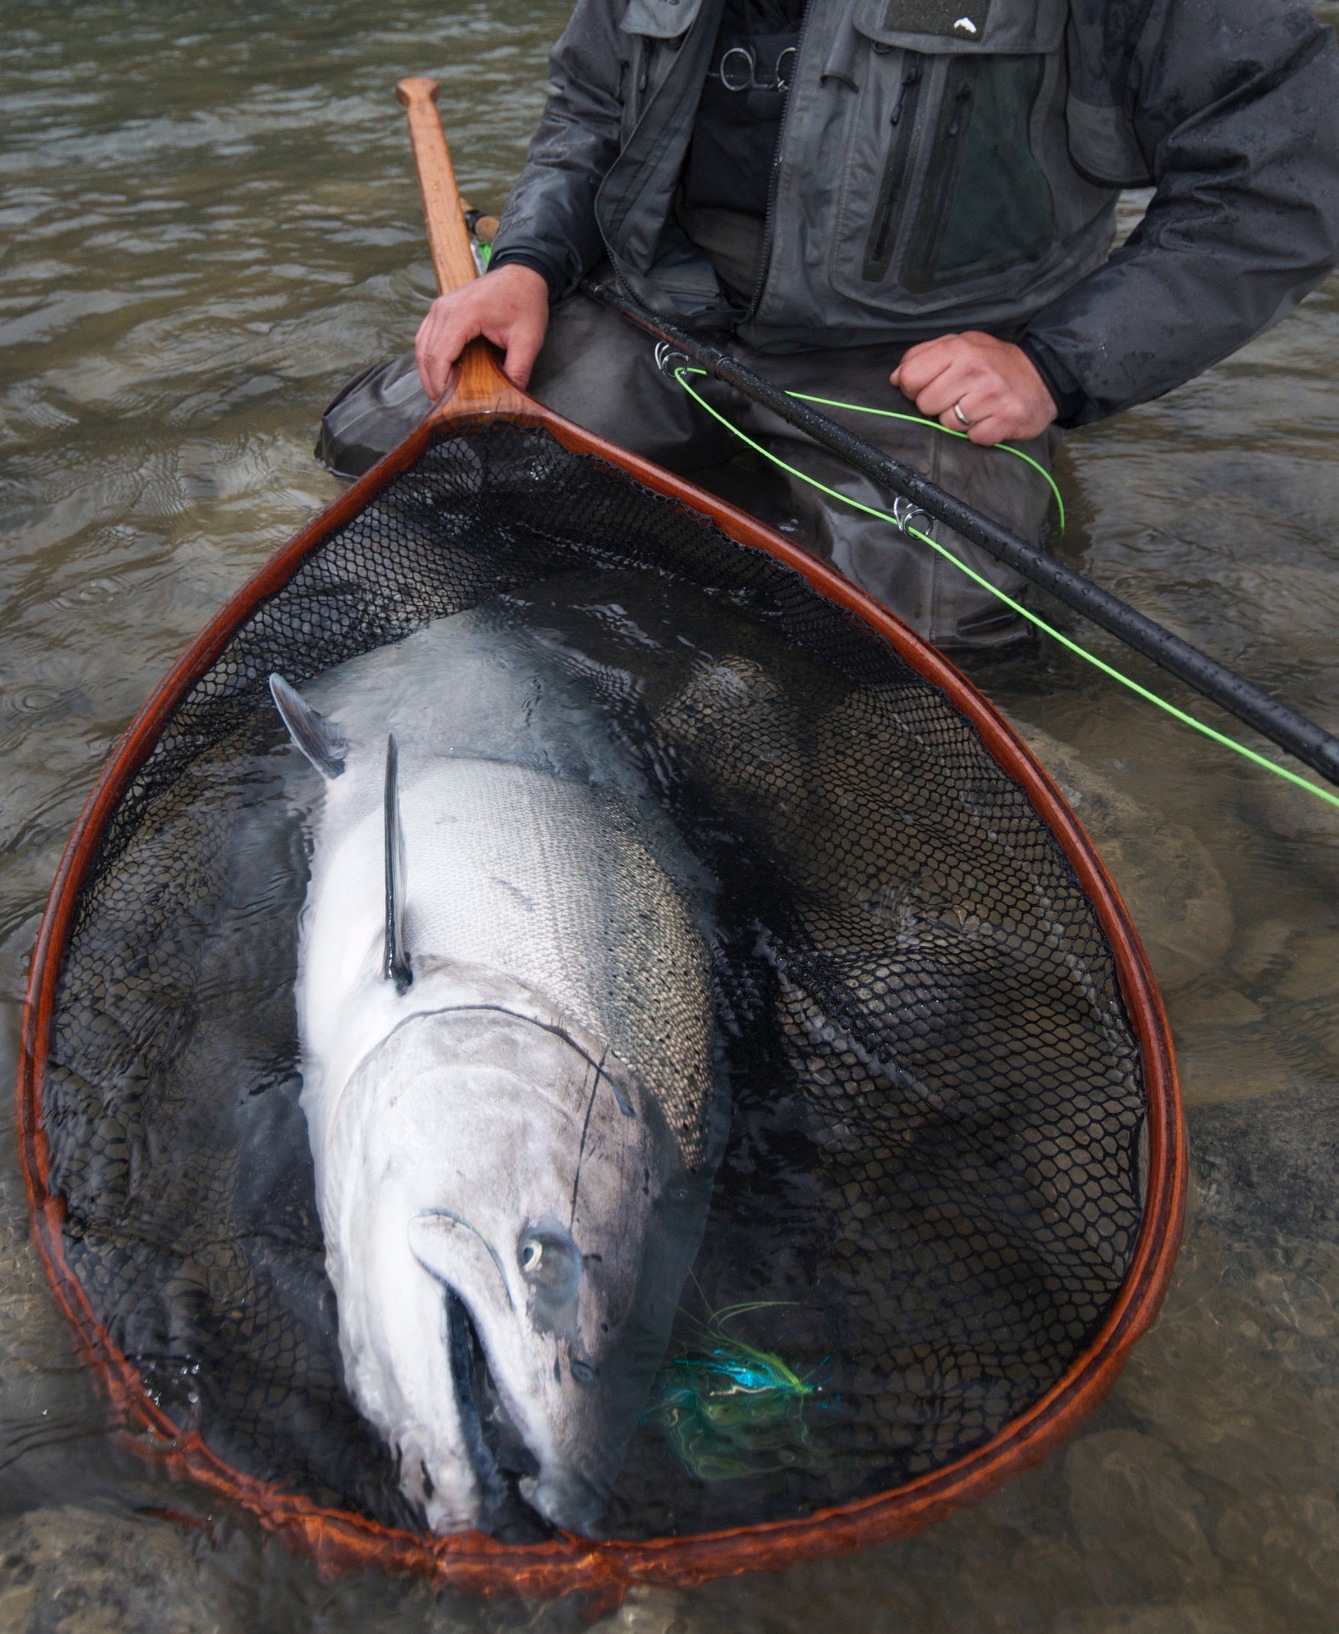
x=210, y=220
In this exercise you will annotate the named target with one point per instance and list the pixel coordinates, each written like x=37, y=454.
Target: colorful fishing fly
x=731, y=1409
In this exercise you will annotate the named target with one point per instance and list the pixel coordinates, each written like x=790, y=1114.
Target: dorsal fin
x=317, y=739
x=397, y=966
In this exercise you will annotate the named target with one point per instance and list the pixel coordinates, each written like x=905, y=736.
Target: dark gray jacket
x=954, y=164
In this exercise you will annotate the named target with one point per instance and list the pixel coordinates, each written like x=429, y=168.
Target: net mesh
x=931, y=1191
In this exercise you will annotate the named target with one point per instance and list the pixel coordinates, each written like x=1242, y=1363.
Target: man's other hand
x=510, y=307
x=976, y=384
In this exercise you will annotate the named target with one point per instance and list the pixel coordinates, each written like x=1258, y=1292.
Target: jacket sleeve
x=1234, y=107
x=549, y=222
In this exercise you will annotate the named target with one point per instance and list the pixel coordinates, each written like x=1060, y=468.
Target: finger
x=985, y=432
x=923, y=362
x=950, y=421
x=914, y=375
x=448, y=339
x=520, y=340
x=425, y=357
x=990, y=431
x=522, y=345
x=1005, y=416
x=991, y=428
x=435, y=376
x=433, y=365
x=954, y=385
x=915, y=354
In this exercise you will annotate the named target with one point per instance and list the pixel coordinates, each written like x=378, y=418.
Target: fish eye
x=548, y=1260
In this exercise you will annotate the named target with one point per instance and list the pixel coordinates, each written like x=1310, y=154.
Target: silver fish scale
x=553, y=884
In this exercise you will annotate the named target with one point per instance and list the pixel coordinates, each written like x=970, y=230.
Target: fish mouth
x=498, y=1453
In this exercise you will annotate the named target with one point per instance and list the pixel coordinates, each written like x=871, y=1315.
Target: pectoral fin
x=315, y=736
x=397, y=967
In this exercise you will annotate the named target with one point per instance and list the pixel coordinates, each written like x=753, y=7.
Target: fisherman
x=910, y=205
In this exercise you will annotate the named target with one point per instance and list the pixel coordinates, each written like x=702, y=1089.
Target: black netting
x=930, y=1194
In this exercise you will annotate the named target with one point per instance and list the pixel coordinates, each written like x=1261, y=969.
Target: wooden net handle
x=448, y=239
x=478, y=384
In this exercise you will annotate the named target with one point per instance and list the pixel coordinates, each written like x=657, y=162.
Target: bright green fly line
x=1049, y=629
x=948, y=431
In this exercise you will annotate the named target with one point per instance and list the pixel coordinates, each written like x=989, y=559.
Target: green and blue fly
x=731, y=1409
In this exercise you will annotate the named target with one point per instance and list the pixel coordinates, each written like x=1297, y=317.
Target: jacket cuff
x=547, y=270
x=1071, y=401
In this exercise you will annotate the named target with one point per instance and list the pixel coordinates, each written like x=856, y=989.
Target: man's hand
x=994, y=388
x=510, y=307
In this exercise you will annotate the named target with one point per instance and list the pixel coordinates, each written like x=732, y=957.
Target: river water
x=209, y=221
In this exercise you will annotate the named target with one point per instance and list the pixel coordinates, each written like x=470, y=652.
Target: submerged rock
x=648, y=1610
x=74, y=1571
x=1269, y=1171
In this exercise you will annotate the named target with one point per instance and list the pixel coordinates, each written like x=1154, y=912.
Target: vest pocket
x=949, y=146
x=660, y=19
x=985, y=204
x=655, y=30
x=892, y=186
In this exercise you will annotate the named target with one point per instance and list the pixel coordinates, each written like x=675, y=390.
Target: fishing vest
x=938, y=166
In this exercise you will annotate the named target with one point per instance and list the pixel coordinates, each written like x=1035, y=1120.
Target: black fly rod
x=1310, y=743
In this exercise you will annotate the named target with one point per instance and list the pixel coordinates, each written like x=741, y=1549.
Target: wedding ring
x=961, y=418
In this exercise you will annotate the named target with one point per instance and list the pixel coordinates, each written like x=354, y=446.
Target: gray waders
x=597, y=370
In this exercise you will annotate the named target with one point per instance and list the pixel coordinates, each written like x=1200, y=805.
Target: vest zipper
x=913, y=76
x=773, y=180
x=889, y=208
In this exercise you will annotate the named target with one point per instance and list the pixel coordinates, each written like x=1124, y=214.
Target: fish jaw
x=394, y=1344
x=482, y=1166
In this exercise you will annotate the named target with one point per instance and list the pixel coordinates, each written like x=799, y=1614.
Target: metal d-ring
x=738, y=70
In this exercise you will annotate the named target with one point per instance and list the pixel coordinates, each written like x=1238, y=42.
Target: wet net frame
x=338, y=1538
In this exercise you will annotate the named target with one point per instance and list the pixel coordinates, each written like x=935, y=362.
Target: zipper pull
x=960, y=101
x=910, y=79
